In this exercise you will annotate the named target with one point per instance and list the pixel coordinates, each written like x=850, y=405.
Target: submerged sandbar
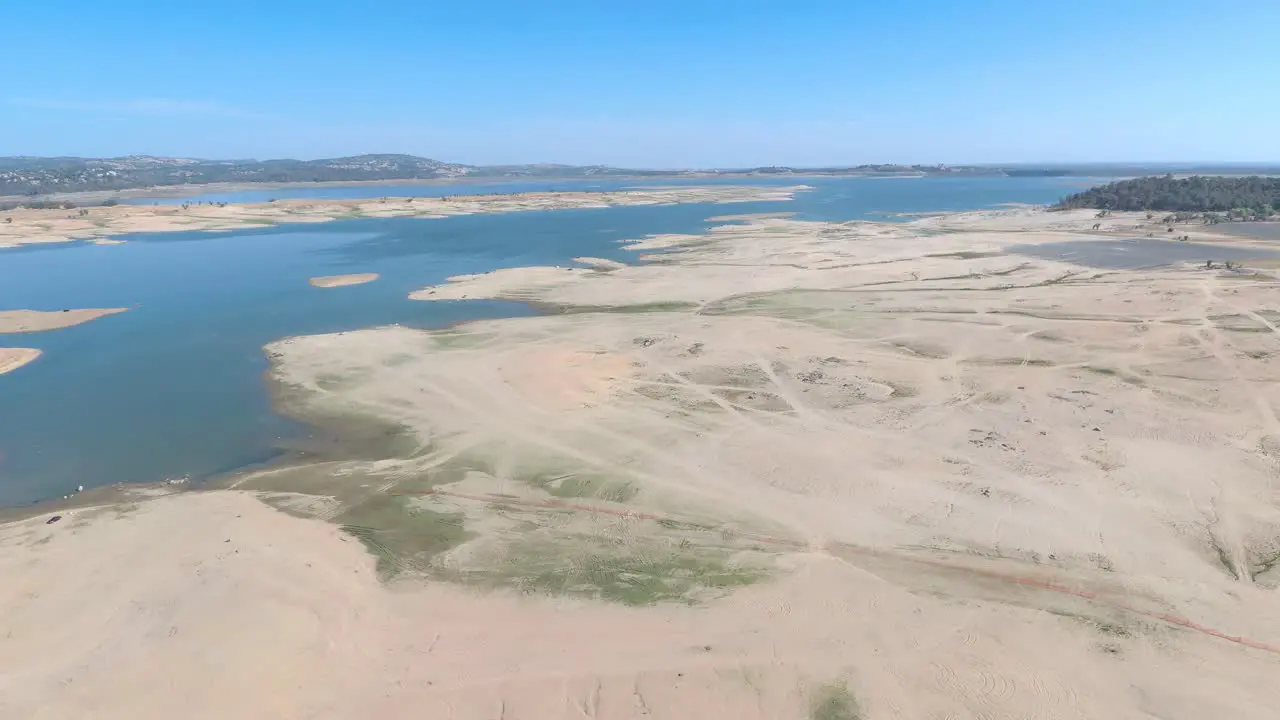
x=332, y=281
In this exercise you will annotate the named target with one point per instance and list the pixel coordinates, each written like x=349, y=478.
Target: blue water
x=833, y=199
x=365, y=192
x=175, y=386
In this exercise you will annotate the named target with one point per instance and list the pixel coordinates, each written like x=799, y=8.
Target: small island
x=13, y=358
x=1216, y=199
x=27, y=321
x=332, y=281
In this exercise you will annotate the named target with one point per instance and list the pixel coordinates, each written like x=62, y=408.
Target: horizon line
x=721, y=168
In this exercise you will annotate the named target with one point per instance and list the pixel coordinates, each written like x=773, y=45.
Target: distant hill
x=1251, y=196
x=36, y=176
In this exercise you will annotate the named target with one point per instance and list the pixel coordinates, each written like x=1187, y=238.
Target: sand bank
x=749, y=216
x=13, y=358
x=330, y=281
x=25, y=321
x=599, y=263
x=794, y=465
x=45, y=226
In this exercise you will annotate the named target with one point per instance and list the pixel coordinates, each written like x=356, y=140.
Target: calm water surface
x=174, y=386
x=832, y=198
x=1138, y=253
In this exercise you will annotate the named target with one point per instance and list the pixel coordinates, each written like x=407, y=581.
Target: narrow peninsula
x=13, y=358
x=29, y=321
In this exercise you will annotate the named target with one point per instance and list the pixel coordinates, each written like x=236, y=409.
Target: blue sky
x=647, y=84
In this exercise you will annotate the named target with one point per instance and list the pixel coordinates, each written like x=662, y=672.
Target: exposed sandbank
x=890, y=458
x=13, y=358
x=749, y=216
x=330, y=281
x=26, y=321
x=599, y=263
x=46, y=226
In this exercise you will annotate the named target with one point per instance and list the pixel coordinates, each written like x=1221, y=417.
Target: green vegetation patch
x=456, y=339
x=492, y=535
x=585, y=485
x=653, y=307
x=400, y=534
x=627, y=576
x=835, y=702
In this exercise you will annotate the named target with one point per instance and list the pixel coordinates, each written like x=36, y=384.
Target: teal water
x=175, y=386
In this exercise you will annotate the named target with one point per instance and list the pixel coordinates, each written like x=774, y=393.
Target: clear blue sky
x=657, y=83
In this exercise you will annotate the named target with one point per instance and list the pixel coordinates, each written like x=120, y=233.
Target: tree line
x=1247, y=198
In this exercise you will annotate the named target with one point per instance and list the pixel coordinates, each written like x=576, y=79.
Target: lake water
x=832, y=199
x=1137, y=253
x=174, y=386
x=1256, y=230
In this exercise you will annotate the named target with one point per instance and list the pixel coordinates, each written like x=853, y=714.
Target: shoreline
x=29, y=227
x=852, y=439
x=377, y=440
x=12, y=358
x=181, y=191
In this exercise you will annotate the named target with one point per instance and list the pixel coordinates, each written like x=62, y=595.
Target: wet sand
x=795, y=466
x=27, y=321
x=51, y=226
x=331, y=281
x=13, y=358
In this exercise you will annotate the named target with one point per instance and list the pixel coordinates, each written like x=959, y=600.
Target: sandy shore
x=784, y=469
x=13, y=358
x=26, y=227
x=330, y=281
x=26, y=321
